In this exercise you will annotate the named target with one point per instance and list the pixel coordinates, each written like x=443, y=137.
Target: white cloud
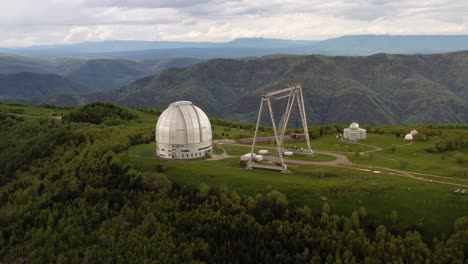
x=30, y=22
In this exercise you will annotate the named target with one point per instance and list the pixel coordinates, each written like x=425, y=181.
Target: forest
x=65, y=197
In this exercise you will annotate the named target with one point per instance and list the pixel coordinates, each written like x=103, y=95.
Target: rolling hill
x=378, y=89
x=27, y=86
x=98, y=74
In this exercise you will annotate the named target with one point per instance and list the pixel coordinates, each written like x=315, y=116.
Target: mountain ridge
x=99, y=74
x=378, y=89
x=352, y=45
x=30, y=87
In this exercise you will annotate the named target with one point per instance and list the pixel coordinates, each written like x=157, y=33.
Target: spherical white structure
x=408, y=137
x=354, y=133
x=183, y=131
x=413, y=132
x=354, y=126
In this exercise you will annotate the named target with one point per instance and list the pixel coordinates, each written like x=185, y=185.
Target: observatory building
x=409, y=138
x=354, y=133
x=183, y=131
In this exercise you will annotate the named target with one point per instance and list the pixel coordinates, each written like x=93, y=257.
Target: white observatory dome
x=413, y=132
x=183, y=131
x=408, y=137
x=354, y=125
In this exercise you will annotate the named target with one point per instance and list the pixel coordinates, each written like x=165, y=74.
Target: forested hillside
x=379, y=89
x=28, y=86
x=98, y=74
x=66, y=197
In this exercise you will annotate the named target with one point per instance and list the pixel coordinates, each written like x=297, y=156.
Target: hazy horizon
x=29, y=23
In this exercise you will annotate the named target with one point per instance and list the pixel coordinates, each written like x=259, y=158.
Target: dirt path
x=221, y=156
x=340, y=160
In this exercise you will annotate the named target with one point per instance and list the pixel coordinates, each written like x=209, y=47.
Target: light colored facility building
x=409, y=138
x=354, y=132
x=183, y=131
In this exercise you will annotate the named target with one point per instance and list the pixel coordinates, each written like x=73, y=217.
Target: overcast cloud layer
x=32, y=22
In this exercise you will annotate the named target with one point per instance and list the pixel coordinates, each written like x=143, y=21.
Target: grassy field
x=431, y=206
x=28, y=112
x=345, y=188
x=329, y=142
x=414, y=158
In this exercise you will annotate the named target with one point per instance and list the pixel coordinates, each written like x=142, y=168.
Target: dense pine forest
x=65, y=197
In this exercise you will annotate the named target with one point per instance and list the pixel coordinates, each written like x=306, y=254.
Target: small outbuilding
x=354, y=132
x=409, y=138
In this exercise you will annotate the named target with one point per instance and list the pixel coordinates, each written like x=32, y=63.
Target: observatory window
x=185, y=150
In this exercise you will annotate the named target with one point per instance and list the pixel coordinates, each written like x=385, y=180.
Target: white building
x=414, y=132
x=409, y=138
x=354, y=133
x=183, y=131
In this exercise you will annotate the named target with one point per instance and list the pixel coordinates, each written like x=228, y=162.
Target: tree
x=380, y=233
x=326, y=208
x=394, y=217
x=362, y=212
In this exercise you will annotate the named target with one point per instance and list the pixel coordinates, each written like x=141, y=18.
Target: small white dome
x=408, y=137
x=413, y=132
x=354, y=125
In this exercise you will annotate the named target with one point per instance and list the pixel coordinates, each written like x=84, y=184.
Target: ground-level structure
x=409, y=138
x=183, y=131
x=354, y=132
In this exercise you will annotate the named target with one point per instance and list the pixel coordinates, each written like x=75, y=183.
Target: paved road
x=340, y=160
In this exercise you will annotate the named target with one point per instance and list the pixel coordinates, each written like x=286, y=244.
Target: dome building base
x=194, y=151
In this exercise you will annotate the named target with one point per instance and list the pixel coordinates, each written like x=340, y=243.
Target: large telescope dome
x=183, y=131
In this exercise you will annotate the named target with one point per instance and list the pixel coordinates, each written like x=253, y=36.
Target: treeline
x=74, y=201
x=100, y=112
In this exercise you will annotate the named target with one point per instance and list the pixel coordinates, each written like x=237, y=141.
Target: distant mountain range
x=356, y=45
x=379, y=89
x=96, y=74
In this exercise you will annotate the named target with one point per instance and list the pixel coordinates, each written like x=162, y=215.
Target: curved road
x=343, y=161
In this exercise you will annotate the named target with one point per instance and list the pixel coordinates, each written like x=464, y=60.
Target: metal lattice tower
x=294, y=94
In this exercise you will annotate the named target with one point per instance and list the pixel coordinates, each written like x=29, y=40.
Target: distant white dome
x=413, y=132
x=183, y=131
x=354, y=125
x=408, y=137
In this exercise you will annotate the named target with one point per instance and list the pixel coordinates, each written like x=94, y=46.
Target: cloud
x=29, y=22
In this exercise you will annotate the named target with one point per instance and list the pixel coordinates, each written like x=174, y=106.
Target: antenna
x=294, y=94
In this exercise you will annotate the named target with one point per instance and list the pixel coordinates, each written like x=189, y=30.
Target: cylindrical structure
x=183, y=131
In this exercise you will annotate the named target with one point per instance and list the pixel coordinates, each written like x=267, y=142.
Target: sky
x=38, y=22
